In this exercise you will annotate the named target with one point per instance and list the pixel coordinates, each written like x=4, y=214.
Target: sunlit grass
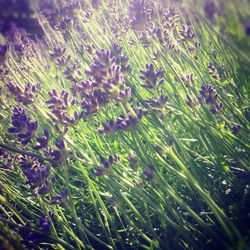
x=125, y=127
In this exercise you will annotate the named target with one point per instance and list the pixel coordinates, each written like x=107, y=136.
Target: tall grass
x=125, y=127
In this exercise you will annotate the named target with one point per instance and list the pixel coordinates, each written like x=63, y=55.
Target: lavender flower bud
x=170, y=141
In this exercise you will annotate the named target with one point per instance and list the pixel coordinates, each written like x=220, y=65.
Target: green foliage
x=148, y=147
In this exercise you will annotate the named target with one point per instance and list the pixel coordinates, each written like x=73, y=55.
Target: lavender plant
x=125, y=126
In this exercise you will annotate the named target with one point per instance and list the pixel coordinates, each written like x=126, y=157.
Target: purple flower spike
x=152, y=78
x=14, y=88
x=124, y=95
x=187, y=33
x=210, y=9
x=248, y=29
x=51, y=214
x=14, y=130
x=151, y=167
x=22, y=125
x=45, y=223
x=132, y=120
x=217, y=109
x=107, y=163
x=108, y=129
x=3, y=52
x=189, y=102
x=59, y=105
x=36, y=174
x=43, y=141
x=236, y=129
x=159, y=147
x=64, y=193
x=133, y=160
x=170, y=141
x=149, y=175
x=99, y=172
x=60, y=198
x=44, y=189
x=208, y=95
x=61, y=145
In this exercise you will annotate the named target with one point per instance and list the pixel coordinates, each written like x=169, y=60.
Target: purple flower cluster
x=164, y=38
x=22, y=125
x=94, y=102
x=208, y=94
x=60, y=198
x=3, y=52
x=146, y=39
x=124, y=95
x=188, y=79
x=65, y=25
x=106, y=168
x=14, y=88
x=59, y=56
x=57, y=52
x=72, y=72
x=133, y=161
x=90, y=48
x=107, y=82
x=63, y=19
x=187, y=33
x=153, y=34
x=25, y=97
x=170, y=18
x=60, y=153
x=20, y=42
x=37, y=175
x=154, y=103
x=23, y=47
x=108, y=128
x=139, y=15
x=43, y=141
x=151, y=77
x=106, y=72
x=121, y=59
x=247, y=30
x=122, y=123
x=236, y=129
x=156, y=106
x=45, y=223
x=119, y=24
x=63, y=62
x=59, y=106
x=6, y=159
x=190, y=102
x=84, y=88
x=213, y=71
x=30, y=239
x=98, y=69
x=217, y=109
x=149, y=173
x=58, y=101
x=212, y=9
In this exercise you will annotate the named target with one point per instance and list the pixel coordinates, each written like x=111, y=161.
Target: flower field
x=124, y=124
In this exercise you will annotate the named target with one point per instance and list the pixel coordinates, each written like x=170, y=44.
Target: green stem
x=9, y=206
x=219, y=214
x=24, y=152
